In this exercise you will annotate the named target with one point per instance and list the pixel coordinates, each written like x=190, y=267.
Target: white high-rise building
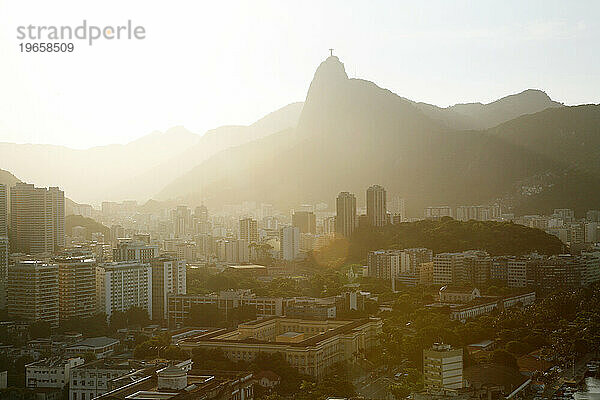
x=122, y=285
x=289, y=239
x=168, y=277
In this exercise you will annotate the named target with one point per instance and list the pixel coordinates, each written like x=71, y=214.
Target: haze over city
x=203, y=66
x=299, y=200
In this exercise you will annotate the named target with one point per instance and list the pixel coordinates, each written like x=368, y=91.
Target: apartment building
x=122, y=285
x=33, y=291
x=168, y=277
x=133, y=250
x=76, y=287
x=37, y=219
x=3, y=210
x=376, y=205
x=249, y=230
x=447, y=268
x=442, y=368
x=289, y=240
x=345, y=218
x=384, y=264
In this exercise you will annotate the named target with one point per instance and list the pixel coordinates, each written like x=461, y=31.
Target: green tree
x=40, y=329
x=503, y=357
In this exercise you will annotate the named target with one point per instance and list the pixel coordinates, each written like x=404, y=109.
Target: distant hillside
x=352, y=134
x=211, y=143
x=483, y=116
x=91, y=226
x=8, y=179
x=449, y=235
x=96, y=173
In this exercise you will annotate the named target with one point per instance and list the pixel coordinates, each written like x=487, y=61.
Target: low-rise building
x=50, y=372
x=101, y=347
x=175, y=383
x=458, y=294
x=312, y=308
x=442, y=368
x=321, y=345
x=485, y=305
x=179, y=305
x=91, y=380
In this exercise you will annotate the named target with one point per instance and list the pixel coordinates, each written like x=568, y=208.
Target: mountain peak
x=330, y=72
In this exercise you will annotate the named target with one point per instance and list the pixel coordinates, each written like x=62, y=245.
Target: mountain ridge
x=351, y=134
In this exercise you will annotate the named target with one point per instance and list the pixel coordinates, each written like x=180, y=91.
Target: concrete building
x=476, y=270
x=411, y=261
x=486, y=305
x=132, y=250
x=33, y=292
x=100, y=347
x=37, y=219
x=168, y=277
x=91, y=380
x=398, y=210
x=306, y=221
x=122, y=285
x=3, y=210
x=181, y=218
x=376, y=205
x=232, y=250
x=447, y=268
x=4, y=257
x=517, y=272
x=345, y=218
x=313, y=347
x=438, y=212
x=384, y=264
x=50, y=372
x=442, y=368
x=76, y=287
x=249, y=230
x=289, y=239
x=458, y=294
x=176, y=383
x=312, y=308
x=179, y=305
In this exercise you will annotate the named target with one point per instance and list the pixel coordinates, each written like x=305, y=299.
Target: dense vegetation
x=301, y=387
x=91, y=226
x=449, y=235
x=561, y=325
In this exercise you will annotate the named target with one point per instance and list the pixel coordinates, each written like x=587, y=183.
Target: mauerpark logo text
x=87, y=32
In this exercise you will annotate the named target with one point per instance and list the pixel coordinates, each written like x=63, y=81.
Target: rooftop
x=101, y=341
x=199, y=384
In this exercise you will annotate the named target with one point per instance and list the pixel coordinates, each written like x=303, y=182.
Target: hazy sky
x=205, y=64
